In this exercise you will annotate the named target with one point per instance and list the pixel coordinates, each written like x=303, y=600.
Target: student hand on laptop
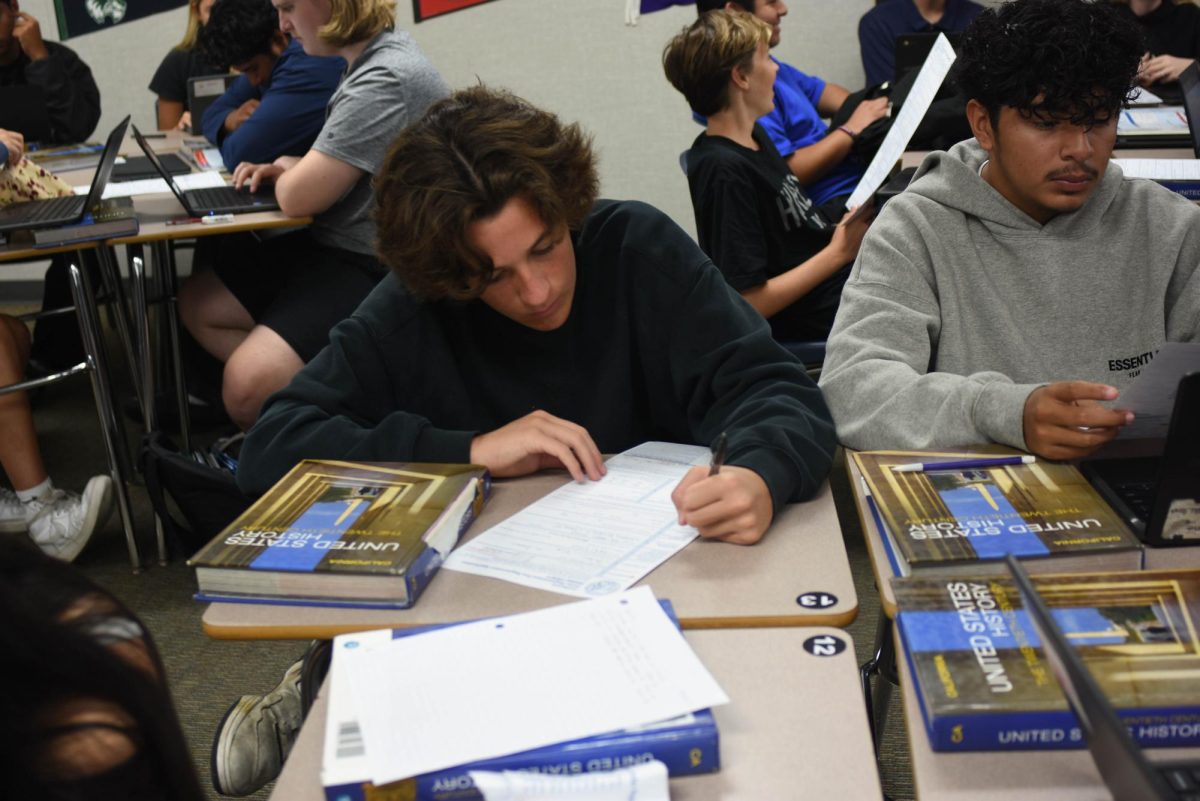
x=539, y=441
x=14, y=143
x=255, y=175
x=1064, y=420
x=732, y=506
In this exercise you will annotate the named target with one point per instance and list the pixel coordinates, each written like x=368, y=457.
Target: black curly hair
x=1066, y=60
x=237, y=31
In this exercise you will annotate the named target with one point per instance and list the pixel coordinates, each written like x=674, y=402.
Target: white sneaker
x=12, y=513
x=62, y=523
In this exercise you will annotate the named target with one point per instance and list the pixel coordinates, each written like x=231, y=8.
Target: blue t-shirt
x=290, y=113
x=796, y=123
x=879, y=27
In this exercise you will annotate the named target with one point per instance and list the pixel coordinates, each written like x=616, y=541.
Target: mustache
x=1085, y=169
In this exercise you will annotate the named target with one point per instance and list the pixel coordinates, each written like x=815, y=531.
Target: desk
x=912, y=158
x=1005, y=775
x=711, y=584
x=794, y=729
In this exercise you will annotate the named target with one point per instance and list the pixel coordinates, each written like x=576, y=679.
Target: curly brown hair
x=462, y=162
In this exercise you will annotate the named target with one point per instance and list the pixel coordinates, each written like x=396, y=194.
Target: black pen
x=154, y=136
x=718, y=458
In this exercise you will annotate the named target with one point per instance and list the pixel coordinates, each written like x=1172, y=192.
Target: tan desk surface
x=796, y=727
x=711, y=584
x=912, y=158
x=15, y=252
x=1004, y=775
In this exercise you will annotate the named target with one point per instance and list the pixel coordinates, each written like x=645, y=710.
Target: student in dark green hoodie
x=530, y=326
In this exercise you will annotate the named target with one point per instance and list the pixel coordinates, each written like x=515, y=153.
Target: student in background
x=1021, y=279
x=770, y=241
x=1172, y=33
x=58, y=522
x=265, y=308
x=822, y=161
x=72, y=99
x=88, y=715
x=184, y=61
x=276, y=106
x=882, y=25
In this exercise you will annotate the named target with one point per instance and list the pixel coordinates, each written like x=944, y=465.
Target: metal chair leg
x=110, y=423
x=165, y=262
x=137, y=273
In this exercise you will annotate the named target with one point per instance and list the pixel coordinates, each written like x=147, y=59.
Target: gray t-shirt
x=387, y=87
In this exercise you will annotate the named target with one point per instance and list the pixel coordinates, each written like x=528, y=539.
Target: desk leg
x=164, y=261
x=137, y=274
x=110, y=274
x=110, y=424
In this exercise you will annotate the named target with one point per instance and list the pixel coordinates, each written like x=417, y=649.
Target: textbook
x=965, y=521
x=109, y=219
x=982, y=679
x=687, y=745
x=331, y=531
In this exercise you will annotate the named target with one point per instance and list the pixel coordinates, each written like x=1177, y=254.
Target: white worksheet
x=593, y=538
x=644, y=782
x=1154, y=120
x=924, y=90
x=1151, y=396
x=509, y=684
x=154, y=186
x=1160, y=169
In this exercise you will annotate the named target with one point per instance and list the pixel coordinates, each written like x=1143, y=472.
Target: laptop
x=210, y=200
x=1129, y=775
x=23, y=109
x=57, y=211
x=1159, y=496
x=137, y=168
x=913, y=48
x=202, y=92
x=1189, y=82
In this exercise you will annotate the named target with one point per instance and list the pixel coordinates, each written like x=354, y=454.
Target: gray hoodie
x=960, y=305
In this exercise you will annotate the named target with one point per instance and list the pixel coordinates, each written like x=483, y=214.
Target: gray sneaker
x=12, y=513
x=255, y=736
x=61, y=523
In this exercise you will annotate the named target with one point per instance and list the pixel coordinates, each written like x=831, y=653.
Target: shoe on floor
x=62, y=522
x=12, y=513
x=255, y=736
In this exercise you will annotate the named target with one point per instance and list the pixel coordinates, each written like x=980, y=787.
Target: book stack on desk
x=335, y=533
x=110, y=219
x=964, y=521
x=982, y=679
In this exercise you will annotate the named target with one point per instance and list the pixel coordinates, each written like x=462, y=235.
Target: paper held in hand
x=924, y=90
x=594, y=538
x=509, y=684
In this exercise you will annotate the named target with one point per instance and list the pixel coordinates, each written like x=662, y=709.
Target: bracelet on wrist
x=849, y=132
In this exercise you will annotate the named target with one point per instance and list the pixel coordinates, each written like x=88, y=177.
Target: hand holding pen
x=724, y=502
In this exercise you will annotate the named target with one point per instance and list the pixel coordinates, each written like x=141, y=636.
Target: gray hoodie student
x=960, y=305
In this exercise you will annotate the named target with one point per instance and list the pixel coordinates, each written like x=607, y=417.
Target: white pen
x=213, y=219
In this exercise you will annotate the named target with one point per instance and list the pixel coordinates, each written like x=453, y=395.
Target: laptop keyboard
x=53, y=209
x=1184, y=780
x=221, y=196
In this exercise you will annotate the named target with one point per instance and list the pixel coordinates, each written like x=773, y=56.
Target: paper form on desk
x=1160, y=169
x=1151, y=396
x=594, y=538
x=1157, y=120
x=509, y=684
x=155, y=186
x=644, y=782
x=924, y=90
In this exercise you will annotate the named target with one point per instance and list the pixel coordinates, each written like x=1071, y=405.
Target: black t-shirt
x=1171, y=30
x=755, y=222
x=171, y=77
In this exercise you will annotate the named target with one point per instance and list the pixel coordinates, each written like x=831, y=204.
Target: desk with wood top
x=794, y=727
x=798, y=575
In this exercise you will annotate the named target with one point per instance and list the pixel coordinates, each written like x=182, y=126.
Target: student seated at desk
x=529, y=326
x=822, y=161
x=276, y=106
x=266, y=307
x=880, y=27
x=1021, y=278
x=183, y=62
x=59, y=522
x=770, y=241
x=1172, y=42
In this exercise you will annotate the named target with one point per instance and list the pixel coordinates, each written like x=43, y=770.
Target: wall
x=575, y=57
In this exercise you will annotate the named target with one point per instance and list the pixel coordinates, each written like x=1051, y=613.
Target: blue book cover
x=687, y=745
x=983, y=683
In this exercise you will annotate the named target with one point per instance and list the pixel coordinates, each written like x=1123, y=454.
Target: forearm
x=810, y=163
x=786, y=288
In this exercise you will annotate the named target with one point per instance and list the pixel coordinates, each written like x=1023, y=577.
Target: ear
x=981, y=125
x=739, y=78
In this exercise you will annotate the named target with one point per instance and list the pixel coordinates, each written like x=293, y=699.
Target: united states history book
x=982, y=679
x=967, y=520
x=344, y=533
x=687, y=745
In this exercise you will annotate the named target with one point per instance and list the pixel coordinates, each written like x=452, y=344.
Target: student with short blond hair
x=265, y=309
